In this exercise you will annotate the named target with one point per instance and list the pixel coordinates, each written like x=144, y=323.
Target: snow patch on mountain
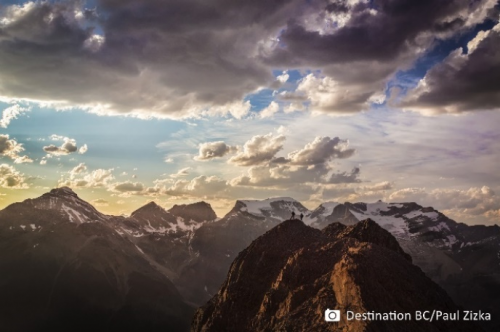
x=256, y=207
x=328, y=206
x=431, y=215
x=395, y=225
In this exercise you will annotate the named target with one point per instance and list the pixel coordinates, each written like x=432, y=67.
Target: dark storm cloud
x=186, y=57
x=149, y=56
x=360, y=45
x=381, y=30
x=462, y=82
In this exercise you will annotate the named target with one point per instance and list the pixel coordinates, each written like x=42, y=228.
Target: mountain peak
x=276, y=209
x=63, y=191
x=366, y=231
x=199, y=211
x=151, y=206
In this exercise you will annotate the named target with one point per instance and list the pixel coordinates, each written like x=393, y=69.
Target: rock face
x=218, y=243
x=65, y=267
x=198, y=212
x=288, y=277
x=463, y=259
x=154, y=217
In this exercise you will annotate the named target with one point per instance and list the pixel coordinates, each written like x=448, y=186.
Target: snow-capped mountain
x=63, y=266
x=463, y=259
x=408, y=221
x=62, y=204
x=275, y=209
x=322, y=211
x=153, y=219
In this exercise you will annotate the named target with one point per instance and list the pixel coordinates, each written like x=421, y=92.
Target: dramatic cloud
x=309, y=165
x=11, y=113
x=326, y=95
x=211, y=150
x=190, y=58
x=11, y=178
x=321, y=150
x=351, y=177
x=11, y=149
x=258, y=150
x=462, y=82
x=383, y=31
x=68, y=146
x=144, y=59
x=359, y=45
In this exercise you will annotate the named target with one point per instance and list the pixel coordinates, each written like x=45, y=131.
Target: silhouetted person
x=301, y=216
x=293, y=214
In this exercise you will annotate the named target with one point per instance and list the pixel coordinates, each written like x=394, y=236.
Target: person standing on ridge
x=293, y=214
x=301, y=216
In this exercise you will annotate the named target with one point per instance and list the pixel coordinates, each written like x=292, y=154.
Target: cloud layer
x=462, y=82
x=190, y=58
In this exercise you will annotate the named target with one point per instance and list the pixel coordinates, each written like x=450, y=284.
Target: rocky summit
x=288, y=277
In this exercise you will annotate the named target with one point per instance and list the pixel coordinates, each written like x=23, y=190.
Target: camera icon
x=332, y=315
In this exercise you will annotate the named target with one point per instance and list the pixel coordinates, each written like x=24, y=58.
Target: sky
x=177, y=101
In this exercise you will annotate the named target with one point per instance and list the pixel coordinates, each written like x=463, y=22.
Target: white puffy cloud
x=283, y=78
x=11, y=149
x=270, y=110
x=211, y=150
x=309, y=165
x=68, y=146
x=11, y=178
x=11, y=113
x=23, y=160
x=258, y=150
x=83, y=149
x=327, y=95
x=80, y=177
x=321, y=150
x=282, y=176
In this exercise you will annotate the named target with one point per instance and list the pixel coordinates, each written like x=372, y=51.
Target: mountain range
x=61, y=259
x=287, y=277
